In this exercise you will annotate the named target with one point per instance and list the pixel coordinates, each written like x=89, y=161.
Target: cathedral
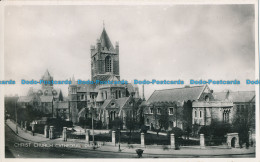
x=109, y=101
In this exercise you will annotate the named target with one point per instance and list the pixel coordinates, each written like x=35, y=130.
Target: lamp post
x=119, y=140
x=16, y=127
x=93, y=136
x=92, y=116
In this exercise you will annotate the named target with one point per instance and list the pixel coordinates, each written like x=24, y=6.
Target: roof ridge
x=179, y=88
x=234, y=91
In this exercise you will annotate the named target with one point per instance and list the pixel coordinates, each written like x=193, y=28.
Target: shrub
x=176, y=131
x=206, y=130
x=144, y=129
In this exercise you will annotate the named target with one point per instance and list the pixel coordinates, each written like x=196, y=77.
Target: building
x=243, y=105
x=109, y=100
x=43, y=99
x=198, y=106
x=185, y=107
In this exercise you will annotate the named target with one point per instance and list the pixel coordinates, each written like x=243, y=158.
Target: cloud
x=156, y=42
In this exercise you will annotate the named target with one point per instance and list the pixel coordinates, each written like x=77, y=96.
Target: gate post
x=172, y=141
x=114, y=137
x=142, y=140
x=46, y=131
x=21, y=125
x=51, y=132
x=202, y=141
x=64, y=134
x=250, y=138
x=33, y=128
x=87, y=136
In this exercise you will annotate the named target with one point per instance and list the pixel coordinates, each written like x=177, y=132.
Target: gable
x=206, y=93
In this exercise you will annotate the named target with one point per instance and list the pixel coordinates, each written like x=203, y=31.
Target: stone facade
x=198, y=105
x=108, y=101
x=47, y=99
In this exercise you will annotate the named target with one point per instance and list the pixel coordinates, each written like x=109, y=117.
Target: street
x=11, y=140
x=31, y=152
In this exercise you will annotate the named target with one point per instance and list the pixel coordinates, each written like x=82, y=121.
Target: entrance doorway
x=233, y=142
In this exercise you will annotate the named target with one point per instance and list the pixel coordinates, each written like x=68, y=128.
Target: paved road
x=11, y=140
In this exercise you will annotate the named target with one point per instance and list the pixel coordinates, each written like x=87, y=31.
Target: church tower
x=104, y=59
x=48, y=87
x=73, y=101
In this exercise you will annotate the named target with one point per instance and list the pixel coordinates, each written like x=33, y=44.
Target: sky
x=167, y=42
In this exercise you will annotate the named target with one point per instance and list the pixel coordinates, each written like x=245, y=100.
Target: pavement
x=39, y=141
x=27, y=135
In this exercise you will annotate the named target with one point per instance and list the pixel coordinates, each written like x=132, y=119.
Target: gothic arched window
x=116, y=94
x=108, y=64
x=119, y=94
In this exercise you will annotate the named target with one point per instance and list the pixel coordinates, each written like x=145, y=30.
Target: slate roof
x=46, y=98
x=239, y=96
x=99, y=96
x=143, y=103
x=40, y=92
x=122, y=101
x=176, y=94
x=47, y=76
x=220, y=96
x=105, y=41
x=87, y=88
x=106, y=102
x=102, y=77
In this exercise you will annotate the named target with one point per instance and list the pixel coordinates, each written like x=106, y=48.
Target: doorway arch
x=232, y=140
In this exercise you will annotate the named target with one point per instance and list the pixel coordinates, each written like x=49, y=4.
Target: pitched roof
x=46, y=98
x=99, y=96
x=47, y=75
x=176, y=94
x=105, y=41
x=122, y=101
x=239, y=96
x=86, y=88
x=73, y=82
x=220, y=96
x=102, y=77
x=106, y=102
x=144, y=103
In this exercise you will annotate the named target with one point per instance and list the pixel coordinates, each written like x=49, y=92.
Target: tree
x=141, y=115
x=176, y=131
x=242, y=124
x=28, y=114
x=117, y=123
x=188, y=131
x=161, y=114
x=216, y=129
x=164, y=117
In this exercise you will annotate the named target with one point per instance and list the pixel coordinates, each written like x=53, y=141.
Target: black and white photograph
x=130, y=80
